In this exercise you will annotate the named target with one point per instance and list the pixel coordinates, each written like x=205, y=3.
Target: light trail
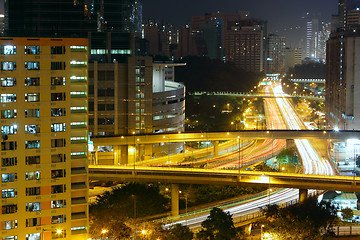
x=280, y=114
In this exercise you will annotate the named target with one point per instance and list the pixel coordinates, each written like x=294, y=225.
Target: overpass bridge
x=255, y=95
x=226, y=177
x=129, y=148
x=225, y=136
x=308, y=80
x=177, y=176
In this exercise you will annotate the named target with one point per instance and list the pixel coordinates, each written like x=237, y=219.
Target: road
x=280, y=114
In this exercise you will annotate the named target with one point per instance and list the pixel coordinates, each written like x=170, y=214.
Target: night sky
x=280, y=14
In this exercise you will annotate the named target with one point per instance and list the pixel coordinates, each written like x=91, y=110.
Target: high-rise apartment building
x=342, y=81
x=44, y=133
x=72, y=18
x=244, y=46
x=230, y=37
x=275, y=62
x=293, y=57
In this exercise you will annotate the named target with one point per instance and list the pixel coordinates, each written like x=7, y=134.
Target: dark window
x=56, y=158
x=91, y=89
x=32, y=191
x=58, y=97
x=57, y=50
x=8, y=146
x=105, y=92
x=32, y=222
x=105, y=121
x=8, y=209
x=57, y=65
x=29, y=160
x=58, y=173
x=91, y=106
x=56, y=81
x=58, y=143
x=7, y=162
x=58, y=188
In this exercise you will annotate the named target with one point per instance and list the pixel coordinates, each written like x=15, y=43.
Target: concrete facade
x=44, y=138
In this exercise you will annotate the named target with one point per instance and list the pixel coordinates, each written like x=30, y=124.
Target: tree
x=347, y=214
x=219, y=225
x=122, y=201
x=180, y=232
x=114, y=211
x=114, y=227
x=300, y=221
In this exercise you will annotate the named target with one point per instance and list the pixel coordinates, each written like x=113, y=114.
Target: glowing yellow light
x=58, y=231
x=143, y=232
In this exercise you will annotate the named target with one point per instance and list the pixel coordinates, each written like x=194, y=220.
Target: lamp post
x=186, y=208
x=135, y=225
x=103, y=232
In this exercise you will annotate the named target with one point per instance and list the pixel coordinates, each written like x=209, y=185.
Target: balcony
x=78, y=94
x=78, y=125
x=78, y=186
x=78, y=200
x=78, y=215
x=79, y=170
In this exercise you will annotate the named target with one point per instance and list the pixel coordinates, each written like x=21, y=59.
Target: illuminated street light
x=104, y=231
x=144, y=232
x=58, y=231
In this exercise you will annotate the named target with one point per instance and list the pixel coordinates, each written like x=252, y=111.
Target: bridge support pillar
x=124, y=155
x=175, y=200
x=216, y=148
x=303, y=194
x=117, y=155
x=131, y=154
x=145, y=151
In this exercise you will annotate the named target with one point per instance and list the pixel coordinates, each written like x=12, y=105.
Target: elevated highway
x=225, y=136
x=226, y=177
x=256, y=95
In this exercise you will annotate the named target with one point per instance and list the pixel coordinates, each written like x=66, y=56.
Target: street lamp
x=186, y=208
x=103, y=232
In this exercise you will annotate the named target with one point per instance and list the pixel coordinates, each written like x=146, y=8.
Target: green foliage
x=203, y=116
x=121, y=202
x=218, y=226
x=309, y=70
x=180, y=232
x=347, y=214
x=204, y=74
x=203, y=194
x=116, y=227
x=263, y=167
x=301, y=221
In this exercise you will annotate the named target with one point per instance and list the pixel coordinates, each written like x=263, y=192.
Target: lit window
x=58, y=127
x=32, y=50
x=32, y=175
x=8, y=49
x=8, y=66
x=9, y=193
x=8, y=98
x=8, y=82
x=32, y=65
